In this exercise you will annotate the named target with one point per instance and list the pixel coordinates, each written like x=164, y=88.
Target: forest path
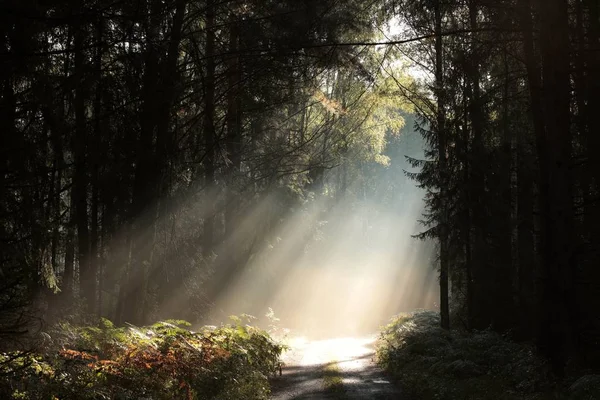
x=339, y=369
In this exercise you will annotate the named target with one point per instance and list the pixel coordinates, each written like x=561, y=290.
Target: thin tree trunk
x=95, y=161
x=209, y=126
x=442, y=168
x=80, y=178
x=233, y=259
x=525, y=239
x=58, y=167
x=233, y=143
x=467, y=221
x=503, y=272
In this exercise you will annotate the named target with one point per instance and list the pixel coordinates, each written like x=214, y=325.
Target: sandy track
x=339, y=369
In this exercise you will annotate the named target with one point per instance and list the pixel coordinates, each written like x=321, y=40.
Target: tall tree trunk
x=533, y=67
x=95, y=161
x=145, y=181
x=58, y=167
x=234, y=255
x=525, y=238
x=503, y=271
x=69, y=260
x=589, y=295
x=233, y=143
x=165, y=143
x=442, y=168
x=593, y=98
x=480, y=315
x=209, y=126
x=80, y=179
x=69, y=272
x=557, y=280
x=467, y=220
x=168, y=79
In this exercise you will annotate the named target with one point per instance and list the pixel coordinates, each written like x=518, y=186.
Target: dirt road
x=339, y=369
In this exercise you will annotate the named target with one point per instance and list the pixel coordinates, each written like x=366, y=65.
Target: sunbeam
x=335, y=266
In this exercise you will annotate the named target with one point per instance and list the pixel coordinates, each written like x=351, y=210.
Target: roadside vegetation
x=333, y=383
x=432, y=363
x=166, y=360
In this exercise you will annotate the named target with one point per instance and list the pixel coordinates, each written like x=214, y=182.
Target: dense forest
x=142, y=138
x=512, y=174
x=152, y=152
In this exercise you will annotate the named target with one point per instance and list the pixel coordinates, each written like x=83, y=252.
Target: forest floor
x=339, y=369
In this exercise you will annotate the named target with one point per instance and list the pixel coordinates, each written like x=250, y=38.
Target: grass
x=333, y=383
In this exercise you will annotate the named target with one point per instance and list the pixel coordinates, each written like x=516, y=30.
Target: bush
x=585, y=388
x=432, y=363
x=162, y=361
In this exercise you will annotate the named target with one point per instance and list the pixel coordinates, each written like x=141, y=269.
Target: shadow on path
x=349, y=363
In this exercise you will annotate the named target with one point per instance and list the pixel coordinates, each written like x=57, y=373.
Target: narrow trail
x=338, y=369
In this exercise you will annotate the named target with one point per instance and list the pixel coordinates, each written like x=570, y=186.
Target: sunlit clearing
x=324, y=351
x=342, y=274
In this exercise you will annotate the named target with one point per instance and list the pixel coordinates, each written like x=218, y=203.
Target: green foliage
x=162, y=361
x=432, y=363
x=333, y=383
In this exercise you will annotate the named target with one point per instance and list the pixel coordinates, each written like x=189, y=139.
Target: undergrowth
x=431, y=363
x=333, y=383
x=162, y=361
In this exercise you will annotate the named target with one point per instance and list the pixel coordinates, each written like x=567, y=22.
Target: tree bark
x=80, y=177
x=557, y=279
x=593, y=97
x=481, y=313
x=442, y=167
x=209, y=126
x=95, y=161
x=233, y=143
x=145, y=181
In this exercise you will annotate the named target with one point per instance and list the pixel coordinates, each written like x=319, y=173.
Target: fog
x=338, y=264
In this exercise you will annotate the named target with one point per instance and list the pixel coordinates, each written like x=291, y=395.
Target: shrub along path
x=342, y=368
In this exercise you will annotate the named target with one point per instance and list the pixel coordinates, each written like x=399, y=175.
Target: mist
x=342, y=262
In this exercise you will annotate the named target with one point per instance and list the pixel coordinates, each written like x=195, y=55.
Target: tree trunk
x=555, y=308
x=209, y=127
x=95, y=161
x=482, y=280
x=589, y=295
x=145, y=181
x=533, y=67
x=593, y=97
x=467, y=221
x=58, y=167
x=165, y=144
x=233, y=143
x=80, y=179
x=442, y=167
x=233, y=258
x=525, y=239
x=503, y=272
